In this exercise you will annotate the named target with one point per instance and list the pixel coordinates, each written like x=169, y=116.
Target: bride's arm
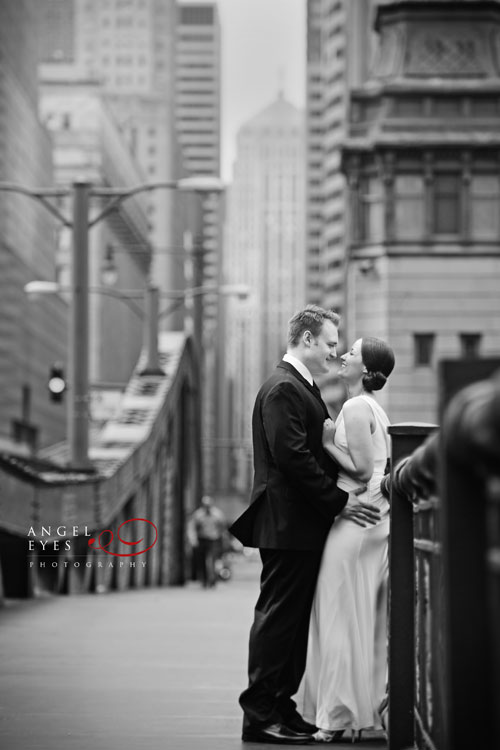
x=359, y=462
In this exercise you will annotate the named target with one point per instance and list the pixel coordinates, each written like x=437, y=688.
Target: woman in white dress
x=345, y=679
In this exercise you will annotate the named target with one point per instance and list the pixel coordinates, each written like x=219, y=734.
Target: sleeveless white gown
x=346, y=671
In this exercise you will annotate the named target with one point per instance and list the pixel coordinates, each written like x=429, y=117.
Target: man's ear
x=307, y=338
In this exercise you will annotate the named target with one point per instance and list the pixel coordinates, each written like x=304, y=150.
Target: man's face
x=323, y=349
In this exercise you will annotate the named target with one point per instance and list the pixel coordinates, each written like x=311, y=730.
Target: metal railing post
x=405, y=438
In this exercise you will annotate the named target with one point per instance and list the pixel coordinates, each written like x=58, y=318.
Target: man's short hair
x=311, y=318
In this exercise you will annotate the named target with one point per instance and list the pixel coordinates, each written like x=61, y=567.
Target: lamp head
x=201, y=184
x=242, y=291
x=36, y=288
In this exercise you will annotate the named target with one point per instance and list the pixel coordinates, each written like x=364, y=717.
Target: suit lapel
x=314, y=390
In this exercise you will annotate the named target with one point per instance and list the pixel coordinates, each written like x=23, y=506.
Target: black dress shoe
x=277, y=734
x=298, y=724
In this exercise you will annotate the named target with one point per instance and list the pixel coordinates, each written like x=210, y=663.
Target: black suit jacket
x=295, y=497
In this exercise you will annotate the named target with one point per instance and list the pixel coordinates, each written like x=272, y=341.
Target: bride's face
x=352, y=367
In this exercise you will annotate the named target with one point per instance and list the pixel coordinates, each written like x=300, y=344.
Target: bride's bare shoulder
x=356, y=407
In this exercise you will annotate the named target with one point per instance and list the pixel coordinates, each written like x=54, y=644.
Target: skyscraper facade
x=339, y=50
x=198, y=87
x=265, y=249
x=158, y=66
x=128, y=47
x=87, y=143
x=33, y=334
x=197, y=116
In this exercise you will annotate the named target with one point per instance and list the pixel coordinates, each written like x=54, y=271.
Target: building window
x=447, y=204
x=409, y=209
x=470, y=344
x=372, y=210
x=423, y=344
x=485, y=207
x=122, y=21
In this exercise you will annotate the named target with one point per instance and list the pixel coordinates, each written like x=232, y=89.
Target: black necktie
x=317, y=393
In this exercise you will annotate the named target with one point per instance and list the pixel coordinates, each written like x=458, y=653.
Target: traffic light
x=57, y=382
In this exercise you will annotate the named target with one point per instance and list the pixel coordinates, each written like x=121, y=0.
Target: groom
x=294, y=503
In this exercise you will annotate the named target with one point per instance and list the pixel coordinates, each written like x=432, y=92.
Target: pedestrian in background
x=206, y=530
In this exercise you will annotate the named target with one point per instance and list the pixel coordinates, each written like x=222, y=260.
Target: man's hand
x=328, y=432
x=359, y=511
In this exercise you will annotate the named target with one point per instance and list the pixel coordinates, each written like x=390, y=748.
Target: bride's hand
x=328, y=431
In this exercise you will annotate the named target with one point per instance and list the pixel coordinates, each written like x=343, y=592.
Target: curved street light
x=79, y=224
x=150, y=313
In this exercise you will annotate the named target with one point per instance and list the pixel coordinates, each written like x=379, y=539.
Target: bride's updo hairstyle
x=378, y=358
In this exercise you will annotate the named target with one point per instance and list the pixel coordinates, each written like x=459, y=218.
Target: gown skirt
x=346, y=671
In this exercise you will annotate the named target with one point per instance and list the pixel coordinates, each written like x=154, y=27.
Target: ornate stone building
x=422, y=161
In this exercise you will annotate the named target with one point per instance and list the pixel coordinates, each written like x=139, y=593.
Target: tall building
x=128, y=47
x=422, y=163
x=158, y=65
x=127, y=44
x=32, y=334
x=314, y=153
x=198, y=87
x=87, y=143
x=197, y=118
x=56, y=37
x=198, y=113
x=265, y=249
x=339, y=50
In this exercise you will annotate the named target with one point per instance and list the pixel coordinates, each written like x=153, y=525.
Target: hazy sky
x=263, y=44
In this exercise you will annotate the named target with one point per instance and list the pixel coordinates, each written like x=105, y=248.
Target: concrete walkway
x=155, y=669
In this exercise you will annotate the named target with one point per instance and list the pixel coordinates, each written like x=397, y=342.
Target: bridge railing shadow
x=444, y=609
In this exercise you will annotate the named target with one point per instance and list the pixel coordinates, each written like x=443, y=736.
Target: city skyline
x=250, y=81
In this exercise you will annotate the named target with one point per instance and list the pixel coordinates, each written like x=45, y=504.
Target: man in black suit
x=294, y=503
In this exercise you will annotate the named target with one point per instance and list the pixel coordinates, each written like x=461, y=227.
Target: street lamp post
x=151, y=330
x=80, y=224
x=78, y=406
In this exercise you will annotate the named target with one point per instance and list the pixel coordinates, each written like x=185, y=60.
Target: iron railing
x=444, y=644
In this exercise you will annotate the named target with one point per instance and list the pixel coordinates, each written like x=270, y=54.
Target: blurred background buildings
x=380, y=199
x=264, y=247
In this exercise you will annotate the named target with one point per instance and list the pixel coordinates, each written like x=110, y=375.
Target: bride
x=345, y=678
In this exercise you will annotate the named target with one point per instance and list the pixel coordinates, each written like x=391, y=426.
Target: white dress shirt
x=299, y=366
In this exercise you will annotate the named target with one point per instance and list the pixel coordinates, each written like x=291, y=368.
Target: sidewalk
x=154, y=669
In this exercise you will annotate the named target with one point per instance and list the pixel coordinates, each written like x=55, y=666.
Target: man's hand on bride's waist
x=361, y=512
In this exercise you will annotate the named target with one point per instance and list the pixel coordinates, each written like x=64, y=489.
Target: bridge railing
x=444, y=616
x=147, y=466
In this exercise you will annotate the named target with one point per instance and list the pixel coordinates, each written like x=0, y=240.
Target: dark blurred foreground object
x=453, y=483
